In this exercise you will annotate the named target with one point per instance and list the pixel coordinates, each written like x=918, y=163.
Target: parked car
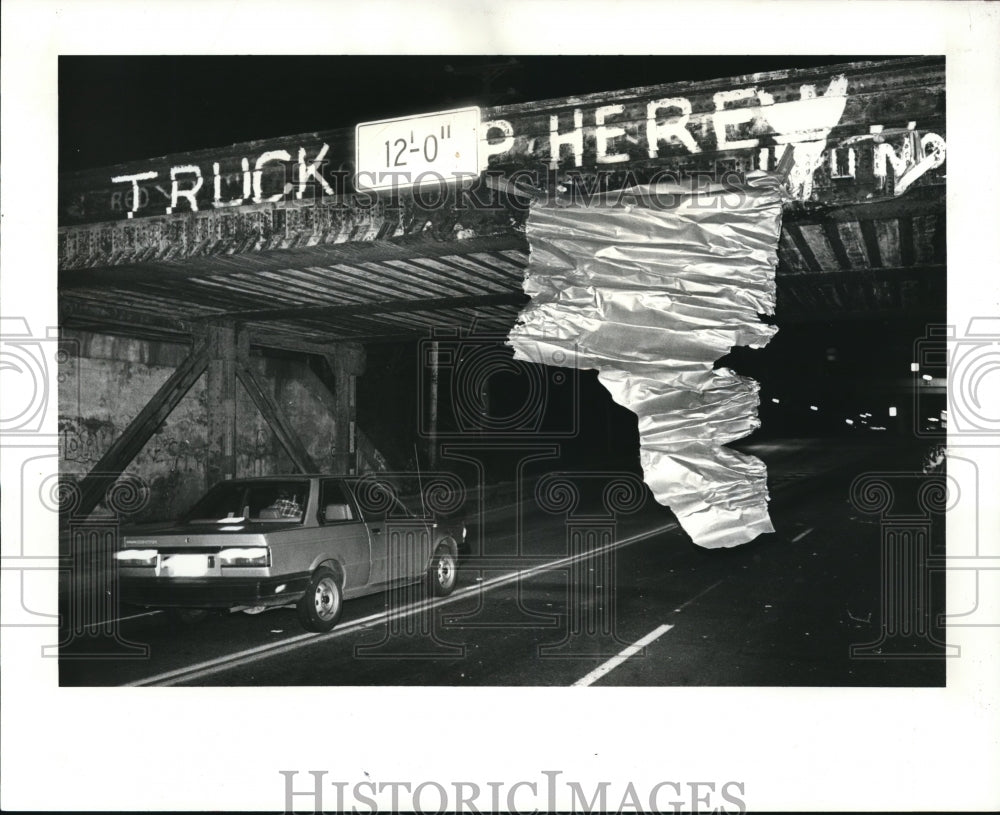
x=251, y=544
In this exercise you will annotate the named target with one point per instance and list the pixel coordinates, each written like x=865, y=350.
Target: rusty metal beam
x=123, y=270
x=113, y=319
x=829, y=296
x=127, y=446
x=906, y=248
x=805, y=250
x=120, y=321
x=870, y=237
x=837, y=245
x=381, y=307
x=880, y=92
x=920, y=201
x=921, y=270
x=221, y=402
x=307, y=342
x=343, y=374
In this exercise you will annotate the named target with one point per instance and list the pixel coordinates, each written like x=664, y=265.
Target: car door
x=371, y=512
x=345, y=534
x=408, y=542
x=400, y=540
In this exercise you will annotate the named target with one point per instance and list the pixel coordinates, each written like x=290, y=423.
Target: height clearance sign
x=410, y=150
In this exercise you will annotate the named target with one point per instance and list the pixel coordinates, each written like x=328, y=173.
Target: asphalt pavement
x=592, y=596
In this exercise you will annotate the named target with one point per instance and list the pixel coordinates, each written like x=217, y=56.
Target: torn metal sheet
x=651, y=288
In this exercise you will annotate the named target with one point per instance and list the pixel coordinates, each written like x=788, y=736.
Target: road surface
x=602, y=599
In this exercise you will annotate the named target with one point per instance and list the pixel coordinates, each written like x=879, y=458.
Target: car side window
x=334, y=504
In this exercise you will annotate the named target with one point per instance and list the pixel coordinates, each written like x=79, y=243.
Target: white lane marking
x=199, y=670
x=122, y=619
x=702, y=593
x=801, y=535
x=614, y=662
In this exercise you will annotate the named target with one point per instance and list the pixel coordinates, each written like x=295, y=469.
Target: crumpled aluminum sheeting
x=651, y=291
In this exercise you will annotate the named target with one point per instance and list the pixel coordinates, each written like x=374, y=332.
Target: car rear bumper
x=212, y=592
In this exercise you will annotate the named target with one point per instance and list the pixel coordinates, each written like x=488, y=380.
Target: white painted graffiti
x=187, y=180
x=741, y=120
x=918, y=154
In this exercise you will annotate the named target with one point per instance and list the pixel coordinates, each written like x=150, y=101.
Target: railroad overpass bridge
x=282, y=245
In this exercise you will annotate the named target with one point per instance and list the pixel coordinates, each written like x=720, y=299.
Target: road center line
x=614, y=662
x=702, y=593
x=801, y=535
x=212, y=666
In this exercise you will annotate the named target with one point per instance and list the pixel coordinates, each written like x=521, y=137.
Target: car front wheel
x=443, y=573
x=320, y=607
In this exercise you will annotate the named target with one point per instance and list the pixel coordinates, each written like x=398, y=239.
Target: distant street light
x=892, y=411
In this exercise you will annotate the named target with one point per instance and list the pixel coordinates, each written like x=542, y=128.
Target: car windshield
x=259, y=501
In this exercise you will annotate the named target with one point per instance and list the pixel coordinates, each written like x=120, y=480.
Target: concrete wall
x=108, y=380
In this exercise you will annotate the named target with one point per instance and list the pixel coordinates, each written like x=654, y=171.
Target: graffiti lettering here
x=853, y=136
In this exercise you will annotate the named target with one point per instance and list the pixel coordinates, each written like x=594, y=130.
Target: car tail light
x=136, y=557
x=249, y=556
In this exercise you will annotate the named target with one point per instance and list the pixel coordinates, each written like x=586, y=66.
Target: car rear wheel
x=321, y=605
x=443, y=573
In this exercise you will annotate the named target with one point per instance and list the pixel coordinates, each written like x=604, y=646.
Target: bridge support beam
x=346, y=363
x=221, y=401
x=275, y=417
x=127, y=446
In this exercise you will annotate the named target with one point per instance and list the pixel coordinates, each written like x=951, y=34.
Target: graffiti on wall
x=171, y=463
x=85, y=440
